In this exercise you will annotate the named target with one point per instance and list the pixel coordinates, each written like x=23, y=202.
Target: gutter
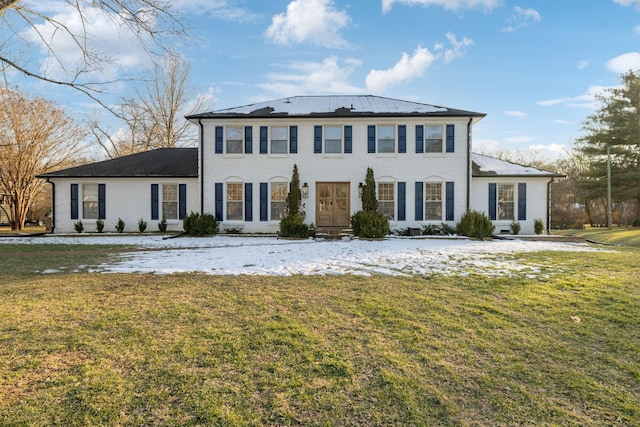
x=200, y=168
x=469, y=164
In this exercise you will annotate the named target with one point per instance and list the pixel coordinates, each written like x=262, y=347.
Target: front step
x=333, y=233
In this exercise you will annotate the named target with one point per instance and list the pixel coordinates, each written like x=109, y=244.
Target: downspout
x=549, y=205
x=53, y=205
x=469, y=164
x=200, y=171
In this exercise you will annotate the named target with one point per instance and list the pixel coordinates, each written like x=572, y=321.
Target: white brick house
x=421, y=156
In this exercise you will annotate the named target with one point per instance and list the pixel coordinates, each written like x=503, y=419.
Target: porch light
x=305, y=190
x=360, y=187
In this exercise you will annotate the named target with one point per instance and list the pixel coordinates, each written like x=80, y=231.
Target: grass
x=111, y=349
x=616, y=236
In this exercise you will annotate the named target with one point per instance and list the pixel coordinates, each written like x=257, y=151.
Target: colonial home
x=421, y=156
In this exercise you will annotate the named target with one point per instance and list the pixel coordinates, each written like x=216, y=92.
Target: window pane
x=170, y=201
x=386, y=139
x=506, y=201
x=278, y=200
x=333, y=139
x=234, y=201
x=386, y=199
x=279, y=147
x=433, y=201
x=90, y=201
x=234, y=140
x=433, y=139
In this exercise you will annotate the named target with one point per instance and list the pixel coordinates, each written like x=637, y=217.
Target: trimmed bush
x=120, y=225
x=200, y=225
x=162, y=225
x=99, y=226
x=79, y=226
x=142, y=225
x=538, y=226
x=475, y=224
x=370, y=224
x=294, y=226
x=515, y=227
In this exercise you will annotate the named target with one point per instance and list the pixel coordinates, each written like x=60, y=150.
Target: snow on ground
x=235, y=255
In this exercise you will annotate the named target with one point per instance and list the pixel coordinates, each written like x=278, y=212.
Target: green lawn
x=616, y=236
x=110, y=349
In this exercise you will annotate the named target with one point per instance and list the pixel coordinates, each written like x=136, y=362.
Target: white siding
x=126, y=198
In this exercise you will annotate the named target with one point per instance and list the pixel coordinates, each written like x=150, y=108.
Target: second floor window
x=386, y=139
x=235, y=139
x=279, y=140
x=333, y=139
x=433, y=139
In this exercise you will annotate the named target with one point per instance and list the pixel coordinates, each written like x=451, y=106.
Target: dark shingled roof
x=335, y=106
x=163, y=162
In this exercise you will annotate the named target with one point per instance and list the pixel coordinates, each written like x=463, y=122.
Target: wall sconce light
x=360, y=188
x=305, y=190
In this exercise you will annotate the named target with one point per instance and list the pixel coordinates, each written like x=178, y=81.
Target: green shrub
x=294, y=226
x=431, y=229
x=475, y=224
x=370, y=224
x=78, y=226
x=162, y=225
x=538, y=226
x=447, y=230
x=120, y=225
x=515, y=227
x=200, y=225
x=99, y=225
x=142, y=225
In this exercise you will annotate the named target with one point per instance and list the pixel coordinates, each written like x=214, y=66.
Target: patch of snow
x=236, y=255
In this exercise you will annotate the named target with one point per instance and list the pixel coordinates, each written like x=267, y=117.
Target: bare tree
x=36, y=137
x=152, y=22
x=155, y=118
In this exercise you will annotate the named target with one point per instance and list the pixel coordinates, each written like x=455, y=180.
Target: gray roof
x=162, y=162
x=485, y=166
x=335, y=106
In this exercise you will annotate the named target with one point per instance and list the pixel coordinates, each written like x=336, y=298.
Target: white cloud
x=108, y=37
x=623, y=63
x=628, y=3
x=521, y=18
x=446, y=4
x=587, y=100
x=520, y=139
x=516, y=114
x=328, y=76
x=311, y=21
x=457, y=49
x=563, y=122
x=486, y=146
x=551, y=151
x=221, y=9
x=636, y=30
x=406, y=69
x=582, y=65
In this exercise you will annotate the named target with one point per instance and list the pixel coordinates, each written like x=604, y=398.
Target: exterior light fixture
x=305, y=190
x=360, y=188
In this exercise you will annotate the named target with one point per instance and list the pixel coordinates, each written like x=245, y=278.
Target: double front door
x=332, y=204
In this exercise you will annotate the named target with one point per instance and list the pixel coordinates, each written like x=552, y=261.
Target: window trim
x=442, y=200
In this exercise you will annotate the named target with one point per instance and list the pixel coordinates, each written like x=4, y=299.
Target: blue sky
x=532, y=66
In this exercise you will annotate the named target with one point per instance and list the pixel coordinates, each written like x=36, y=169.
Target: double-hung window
x=278, y=200
x=234, y=201
x=433, y=139
x=506, y=210
x=386, y=139
x=433, y=201
x=235, y=140
x=279, y=139
x=386, y=199
x=333, y=139
x=90, y=201
x=170, y=201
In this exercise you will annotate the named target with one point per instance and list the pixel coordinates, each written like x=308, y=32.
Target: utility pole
x=609, y=187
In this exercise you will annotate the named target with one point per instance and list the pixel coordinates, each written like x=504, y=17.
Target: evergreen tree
x=616, y=126
x=369, y=197
x=294, y=198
